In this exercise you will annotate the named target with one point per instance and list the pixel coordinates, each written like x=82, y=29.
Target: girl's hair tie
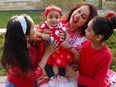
x=111, y=24
x=109, y=15
x=110, y=18
x=23, y=23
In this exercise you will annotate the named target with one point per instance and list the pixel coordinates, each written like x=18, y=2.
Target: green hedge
x=112, y=45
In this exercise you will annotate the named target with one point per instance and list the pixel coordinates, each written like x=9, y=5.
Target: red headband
x=109, y=15
x=51, y=9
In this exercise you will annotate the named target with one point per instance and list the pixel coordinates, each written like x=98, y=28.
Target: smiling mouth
x=75, y=20
x=54, y=25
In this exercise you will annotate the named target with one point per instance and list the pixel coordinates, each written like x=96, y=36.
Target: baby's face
x=53, y=18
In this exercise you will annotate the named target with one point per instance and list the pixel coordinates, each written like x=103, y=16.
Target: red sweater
x=15, y=75
x=94, y=65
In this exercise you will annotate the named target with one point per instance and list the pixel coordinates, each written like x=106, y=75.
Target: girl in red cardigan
x=20, y=56
x=95, y=56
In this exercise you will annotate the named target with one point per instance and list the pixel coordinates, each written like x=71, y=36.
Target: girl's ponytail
x=112, y=22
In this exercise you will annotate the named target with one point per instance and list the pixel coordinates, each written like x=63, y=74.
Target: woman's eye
x=83, y=16
x=88, y=29
x=79, y=11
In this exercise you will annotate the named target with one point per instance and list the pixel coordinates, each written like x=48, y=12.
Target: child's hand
x=65, y=44
x=46, y=36
x=53, y=46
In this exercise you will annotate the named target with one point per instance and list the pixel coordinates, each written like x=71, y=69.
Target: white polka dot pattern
x=43, y=25
x=56, y=32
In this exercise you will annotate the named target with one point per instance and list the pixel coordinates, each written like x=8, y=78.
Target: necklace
x=75, y=37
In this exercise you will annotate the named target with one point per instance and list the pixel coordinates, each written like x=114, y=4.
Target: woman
x=76, y=21
x=20, y=56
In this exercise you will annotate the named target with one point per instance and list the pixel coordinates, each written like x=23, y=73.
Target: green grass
x=5, y=16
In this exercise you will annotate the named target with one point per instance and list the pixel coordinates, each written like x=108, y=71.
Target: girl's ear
x=99, y=37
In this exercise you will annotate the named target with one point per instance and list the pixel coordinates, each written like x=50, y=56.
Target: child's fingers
x=55, y=44
x=61, y=35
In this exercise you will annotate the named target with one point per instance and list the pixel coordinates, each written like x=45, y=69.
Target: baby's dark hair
x=104, y=26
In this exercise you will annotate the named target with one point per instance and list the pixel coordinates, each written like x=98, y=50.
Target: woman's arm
x=76, y=55
x=53, y=46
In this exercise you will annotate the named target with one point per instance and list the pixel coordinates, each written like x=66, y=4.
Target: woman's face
x=79, y=17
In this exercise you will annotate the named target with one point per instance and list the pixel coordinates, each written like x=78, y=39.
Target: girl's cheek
x=32, y=34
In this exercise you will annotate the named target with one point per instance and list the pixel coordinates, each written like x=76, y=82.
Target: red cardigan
x=94, y=65
x=15, y=75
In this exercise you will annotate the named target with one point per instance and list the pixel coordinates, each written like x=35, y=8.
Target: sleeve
x=34, y=75
x=82, y=41
x=100, y=76
x=41, y=26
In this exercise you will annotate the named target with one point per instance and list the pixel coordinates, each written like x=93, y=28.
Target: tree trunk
x=100, y=4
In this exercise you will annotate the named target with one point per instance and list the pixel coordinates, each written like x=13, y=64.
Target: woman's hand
x=62, y=35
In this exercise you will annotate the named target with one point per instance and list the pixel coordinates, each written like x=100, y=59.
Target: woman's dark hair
x=104, y=26
x=15, y=49
x=93, y=13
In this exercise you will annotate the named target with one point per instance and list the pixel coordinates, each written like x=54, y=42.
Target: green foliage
x=111, y=42
x=109, y=5
x=5, y=16
x=66, y=4
x=113, y=65
x=2, y=71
